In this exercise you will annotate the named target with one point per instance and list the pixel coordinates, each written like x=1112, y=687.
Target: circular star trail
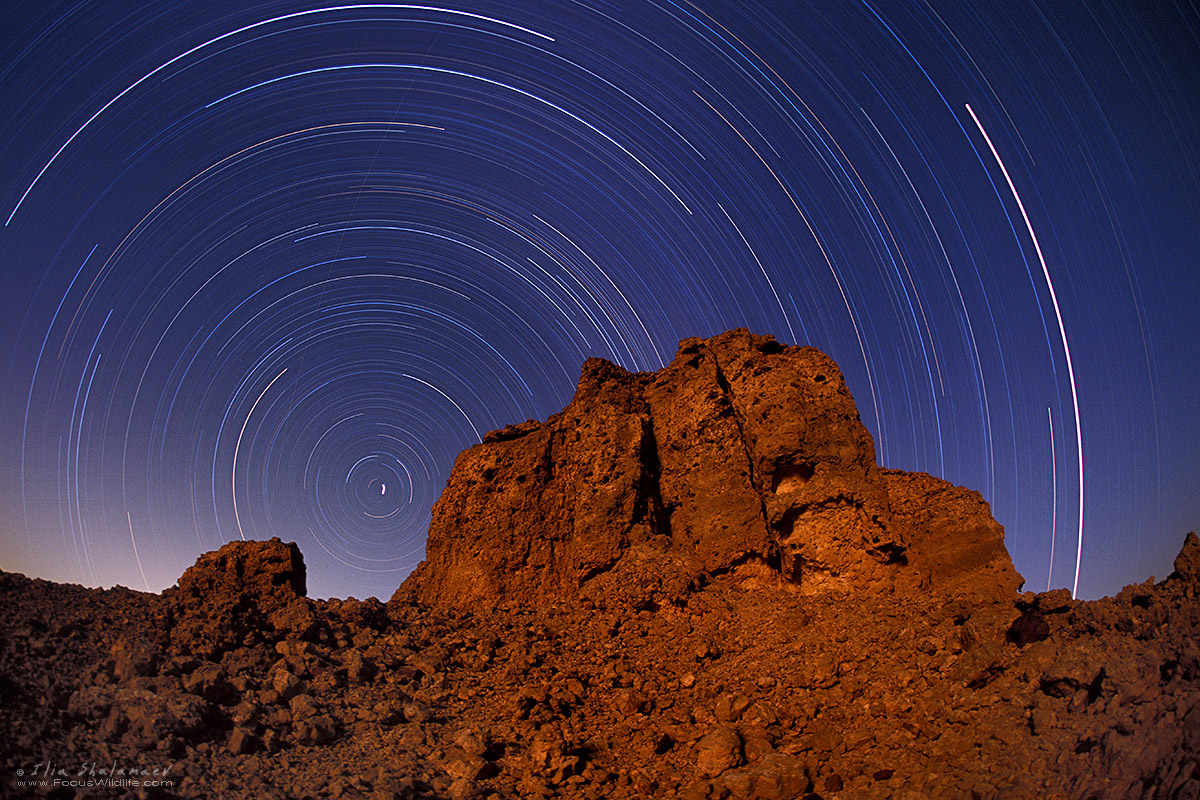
x=270, y=266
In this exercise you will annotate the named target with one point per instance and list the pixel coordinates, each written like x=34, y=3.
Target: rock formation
x=691, y=584
x=743, y=458
x=241, y=591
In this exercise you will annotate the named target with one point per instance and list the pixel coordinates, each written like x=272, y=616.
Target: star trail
x=270, y=266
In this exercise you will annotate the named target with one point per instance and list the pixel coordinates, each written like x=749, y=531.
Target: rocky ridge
x=692, y=592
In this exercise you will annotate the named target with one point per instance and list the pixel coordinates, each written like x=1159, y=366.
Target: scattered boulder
x=238, y=594
x=717, y=751
x=317, y=730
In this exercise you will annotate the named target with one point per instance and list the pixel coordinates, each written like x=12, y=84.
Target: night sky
x=269, y=266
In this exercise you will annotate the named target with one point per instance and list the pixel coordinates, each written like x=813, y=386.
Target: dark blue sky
x=269, y=266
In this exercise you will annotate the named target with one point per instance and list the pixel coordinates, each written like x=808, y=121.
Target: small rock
x=463, y=765
x=757, y=747
x=730, y=707
x=544, y=750
x=316, y=731
x=463, y=789
x=245, y=714
x=210, y=682
x=775, y=777
x=550, y=757
x=429, y=662
x=304, y=706
x=295, y=619
x=718, y=751
x=386, y=714
x=627, y=701
x=1042, y=719
x=760, y=715
x=241, y=741
x=1071, y=672
x=286, y=684
x=1055, y=601
x=418, y=712
x=278, y=717
x=471, y=741
x=133, y=657
x=358, y=669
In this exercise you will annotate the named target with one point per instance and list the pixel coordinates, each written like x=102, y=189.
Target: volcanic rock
x=239, y=592
x=718, y=751
x=743, y=458
x=1187, y=563
x=955, y=546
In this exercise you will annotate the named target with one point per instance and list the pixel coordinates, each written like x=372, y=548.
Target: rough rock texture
x=955, y=548
x=235, y=594
x=742, y=456
x=683, y=604
x=742, y=693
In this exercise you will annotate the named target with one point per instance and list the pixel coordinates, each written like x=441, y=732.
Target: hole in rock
x=791, y=477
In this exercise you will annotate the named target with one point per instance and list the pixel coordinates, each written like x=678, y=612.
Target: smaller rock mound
x=238, y=593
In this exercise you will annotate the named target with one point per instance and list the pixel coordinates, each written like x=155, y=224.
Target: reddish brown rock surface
x=238, y=593
x=743, y=457
x=693, y=584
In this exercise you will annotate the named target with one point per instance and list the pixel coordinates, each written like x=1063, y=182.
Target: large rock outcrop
x=744, y=459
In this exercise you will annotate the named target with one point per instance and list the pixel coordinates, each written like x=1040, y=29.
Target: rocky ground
x=636, y=598
x=738, y=693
